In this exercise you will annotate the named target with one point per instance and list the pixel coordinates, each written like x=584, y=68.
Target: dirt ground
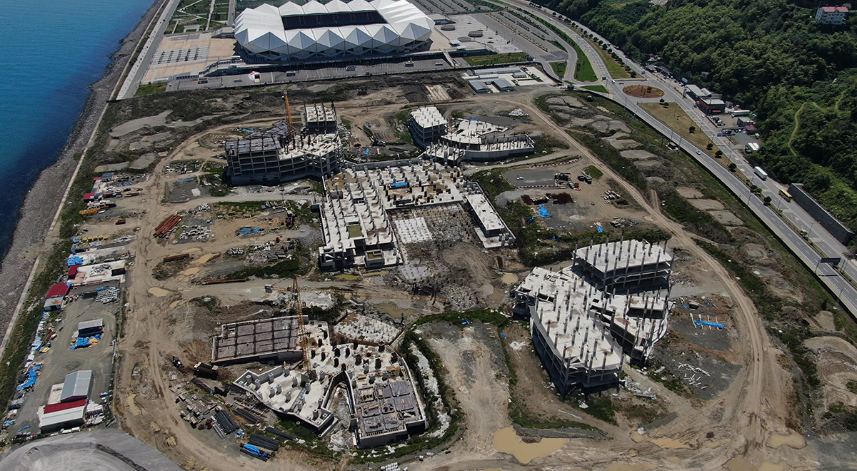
x=734, y=424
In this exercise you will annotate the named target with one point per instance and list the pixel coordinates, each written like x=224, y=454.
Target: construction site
x=281, y=154
x=364, y=216
x=390, y=309
x=613, y=325
x=468, y=140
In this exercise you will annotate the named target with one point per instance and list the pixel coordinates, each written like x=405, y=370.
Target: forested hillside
x=768, y=55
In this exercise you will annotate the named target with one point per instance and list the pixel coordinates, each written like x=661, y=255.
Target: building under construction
x=275, y=339
x=466, y=140
x=383, y=403
x=582, y=331
x=626, y=264
x=283, y=153
x=356, y=214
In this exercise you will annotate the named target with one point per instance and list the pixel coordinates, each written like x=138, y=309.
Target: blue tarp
x=83, y=342
x=31, y=378
x=399, y=185
x=710, y=324
x=75, y=260
x=186, y=180
x=599, y=228
x=248, y=130
x=543, y=212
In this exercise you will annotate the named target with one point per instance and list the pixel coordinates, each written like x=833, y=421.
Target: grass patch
x=596, y=88
x=492, y=59
x=492, y=182
x=545, y=144
x=583, y=70
x=594, y=172
x=559, y=68
x=615, y=68
x=151, y=89
x=675, y=117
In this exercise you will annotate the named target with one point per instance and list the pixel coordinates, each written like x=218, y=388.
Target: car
x=520, y=178
x=698, y=152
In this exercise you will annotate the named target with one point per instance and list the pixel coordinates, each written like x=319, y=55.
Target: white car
x=698, y=152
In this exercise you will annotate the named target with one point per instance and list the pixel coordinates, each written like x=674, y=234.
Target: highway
x=840, y=286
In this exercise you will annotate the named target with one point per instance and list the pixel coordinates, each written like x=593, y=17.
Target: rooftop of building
x=621, y=254
x=427, y=117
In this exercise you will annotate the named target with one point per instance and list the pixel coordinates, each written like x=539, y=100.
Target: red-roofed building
x=60, y=406
x=58, y=290
x=72, y=271
x=831, y=15
x=88, y=197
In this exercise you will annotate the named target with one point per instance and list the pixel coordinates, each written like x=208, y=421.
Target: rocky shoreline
x=31, y=239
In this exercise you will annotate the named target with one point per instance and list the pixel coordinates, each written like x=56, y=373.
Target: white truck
x=760, y=173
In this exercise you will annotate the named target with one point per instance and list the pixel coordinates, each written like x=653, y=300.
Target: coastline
x=31, y=238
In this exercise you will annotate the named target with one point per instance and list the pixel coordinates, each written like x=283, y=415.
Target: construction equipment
x=303, y=340
x=291, y=131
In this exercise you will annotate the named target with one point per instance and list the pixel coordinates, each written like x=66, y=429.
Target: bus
x=761, y=173
x=786, y=195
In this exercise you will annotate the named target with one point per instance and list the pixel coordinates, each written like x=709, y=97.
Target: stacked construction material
x=264, y=442
x=167, y=225
x=225, y=422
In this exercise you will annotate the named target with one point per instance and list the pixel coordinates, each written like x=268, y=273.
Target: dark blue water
x=50, y=52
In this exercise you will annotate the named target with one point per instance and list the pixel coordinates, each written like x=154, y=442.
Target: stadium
x=318, y=31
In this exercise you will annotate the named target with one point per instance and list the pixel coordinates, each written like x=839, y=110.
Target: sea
x=50, y=52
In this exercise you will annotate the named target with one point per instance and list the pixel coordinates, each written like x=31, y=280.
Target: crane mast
x=291, y=131
x=303, y=340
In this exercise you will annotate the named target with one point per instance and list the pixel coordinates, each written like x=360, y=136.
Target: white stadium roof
x=355, y=28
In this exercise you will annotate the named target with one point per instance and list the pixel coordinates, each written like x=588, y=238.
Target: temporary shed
x=58, y=290
x=76, y=386
x=89, y=328
x=52, y=418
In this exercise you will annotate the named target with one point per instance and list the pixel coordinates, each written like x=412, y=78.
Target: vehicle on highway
x=698, y=152
x=761, y=173
x=786, y=195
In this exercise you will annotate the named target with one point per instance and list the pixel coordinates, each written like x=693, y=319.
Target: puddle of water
x=132, y=406
x=377, y=273
x=205, y=258
x=768, y=466
x=507, y=441
x=509, y=278
x=158, y=292
x=793, y=440
x=347, y=277
x=191, y=271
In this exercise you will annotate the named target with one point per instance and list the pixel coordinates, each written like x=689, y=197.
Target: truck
x=177, y=363
x=760, y=173
x=751, y=147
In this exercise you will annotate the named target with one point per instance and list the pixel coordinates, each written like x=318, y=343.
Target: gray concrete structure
x=273, y=156
x=828, y=221
x=260, y=340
